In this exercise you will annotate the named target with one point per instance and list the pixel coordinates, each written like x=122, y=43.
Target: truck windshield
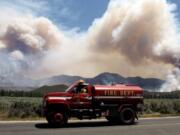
x=75, y=87
x=70, y=88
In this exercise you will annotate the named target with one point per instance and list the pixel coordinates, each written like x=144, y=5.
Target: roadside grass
x=154, y=115
x=29, y=108
x=13, y=108
x=162, y=106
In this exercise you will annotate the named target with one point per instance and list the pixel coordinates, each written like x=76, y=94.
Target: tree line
x=162, y=95
x=11, y=93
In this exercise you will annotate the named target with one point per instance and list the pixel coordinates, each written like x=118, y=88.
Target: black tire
x=127, y=116
x=57, y=119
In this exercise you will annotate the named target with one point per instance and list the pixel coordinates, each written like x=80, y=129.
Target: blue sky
x=177, y=2
x=79, y=13
x=67, y=13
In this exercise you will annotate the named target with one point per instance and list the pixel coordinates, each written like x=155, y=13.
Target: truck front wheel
x=127, y=116
x=57, y=119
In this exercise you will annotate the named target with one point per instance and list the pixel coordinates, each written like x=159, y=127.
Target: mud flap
x=136, y=116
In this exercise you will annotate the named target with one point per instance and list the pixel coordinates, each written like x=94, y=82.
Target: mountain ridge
x=104, y=78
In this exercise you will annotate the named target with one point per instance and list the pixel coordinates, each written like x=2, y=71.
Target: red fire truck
x=117, y=103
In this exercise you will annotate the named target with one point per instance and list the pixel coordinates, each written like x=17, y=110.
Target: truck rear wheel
x=57, y=119
x=127, y=116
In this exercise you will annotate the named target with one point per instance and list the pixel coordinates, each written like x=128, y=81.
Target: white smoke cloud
x=30, y=35
x=141, y=31
x=25, y=41
x=131, y=38
x=135, y=29
x=17, y=55
x=172, y=81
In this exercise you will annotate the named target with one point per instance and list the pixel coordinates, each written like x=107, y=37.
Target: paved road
x=155, y=126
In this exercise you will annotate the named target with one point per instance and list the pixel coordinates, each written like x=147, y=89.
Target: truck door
x=82, y=99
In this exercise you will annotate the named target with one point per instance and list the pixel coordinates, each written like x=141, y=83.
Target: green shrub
x=153, y=106
x=24, y=110
x=176, y=106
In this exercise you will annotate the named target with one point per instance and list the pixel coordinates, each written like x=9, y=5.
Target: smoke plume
x=25, y=41
x=133, y=38
x=172, y=81
x=140, y=31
